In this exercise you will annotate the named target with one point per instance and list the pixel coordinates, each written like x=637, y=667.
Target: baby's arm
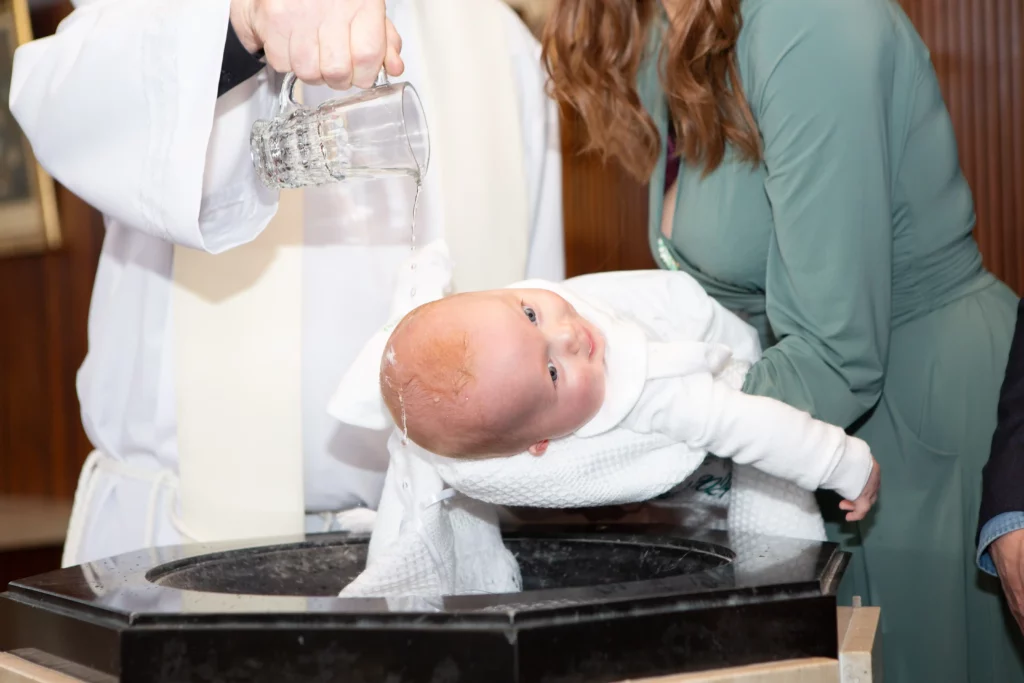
x=762, y=432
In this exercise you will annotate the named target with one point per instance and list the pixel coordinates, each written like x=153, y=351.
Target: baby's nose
x=568, y=339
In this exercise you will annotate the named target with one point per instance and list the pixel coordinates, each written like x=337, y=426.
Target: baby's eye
x=553, y=371
x=531, y=314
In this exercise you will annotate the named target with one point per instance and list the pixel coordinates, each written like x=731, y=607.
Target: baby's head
x=493, y=373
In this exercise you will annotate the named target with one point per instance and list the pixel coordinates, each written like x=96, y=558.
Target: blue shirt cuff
x=998, y=526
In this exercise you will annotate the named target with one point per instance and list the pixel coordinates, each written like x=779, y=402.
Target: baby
x=501, y=372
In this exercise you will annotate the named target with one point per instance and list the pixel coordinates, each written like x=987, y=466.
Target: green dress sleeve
x=818, y=76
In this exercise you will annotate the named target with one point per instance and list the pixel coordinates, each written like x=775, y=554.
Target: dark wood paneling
x=17, y=564
x=43, y=311
x=605, y=210
x=977, y=47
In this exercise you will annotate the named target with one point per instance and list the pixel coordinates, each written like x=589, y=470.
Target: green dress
x=850, y=248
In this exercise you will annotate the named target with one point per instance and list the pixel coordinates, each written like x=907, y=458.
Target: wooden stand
x=15, y=669
x=859, y=662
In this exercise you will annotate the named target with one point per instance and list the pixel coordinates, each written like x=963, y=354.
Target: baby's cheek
x=594, y=391
x=599, y=381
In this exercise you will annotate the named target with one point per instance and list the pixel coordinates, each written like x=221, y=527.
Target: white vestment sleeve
x=121, y=107
x=753, y=430
x=542, y=154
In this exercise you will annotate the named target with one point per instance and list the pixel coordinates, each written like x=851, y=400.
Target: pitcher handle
x=287, y=96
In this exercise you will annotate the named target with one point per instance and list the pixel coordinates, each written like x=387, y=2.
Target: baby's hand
x=858, y=509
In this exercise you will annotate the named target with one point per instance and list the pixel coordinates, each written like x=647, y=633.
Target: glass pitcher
x=378, y=132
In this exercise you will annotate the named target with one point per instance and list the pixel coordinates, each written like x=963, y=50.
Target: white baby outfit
x=675, y=360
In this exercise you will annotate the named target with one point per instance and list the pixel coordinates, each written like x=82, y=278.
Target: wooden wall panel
x=43, y=311
x=977, y=47
x=978, y=50
x=605, y=210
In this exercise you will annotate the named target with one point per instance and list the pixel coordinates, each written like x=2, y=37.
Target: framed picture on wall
x=28, y=205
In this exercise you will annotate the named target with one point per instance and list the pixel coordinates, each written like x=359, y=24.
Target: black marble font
x=599, y=604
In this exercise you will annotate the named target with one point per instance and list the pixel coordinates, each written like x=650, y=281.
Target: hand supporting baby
x=858, y=509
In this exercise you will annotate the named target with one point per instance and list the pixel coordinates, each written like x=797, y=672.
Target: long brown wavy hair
x=593, y=51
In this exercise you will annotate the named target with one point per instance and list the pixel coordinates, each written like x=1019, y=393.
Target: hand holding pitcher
x=378, y=132
x=338, y=42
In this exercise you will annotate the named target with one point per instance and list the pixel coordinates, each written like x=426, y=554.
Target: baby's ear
x=538, y=448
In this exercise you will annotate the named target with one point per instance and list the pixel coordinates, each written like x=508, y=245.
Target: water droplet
x=405, y=425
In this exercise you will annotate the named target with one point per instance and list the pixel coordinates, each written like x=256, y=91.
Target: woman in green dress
x=819, y=194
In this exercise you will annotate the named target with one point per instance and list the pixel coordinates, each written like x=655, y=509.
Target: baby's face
x=537, y=359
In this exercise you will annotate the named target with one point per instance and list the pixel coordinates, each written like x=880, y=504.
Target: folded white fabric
x=436, y=531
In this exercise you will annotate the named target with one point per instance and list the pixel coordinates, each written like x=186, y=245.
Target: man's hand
x=338, y=42
x=856, y=510
x=1008, y=554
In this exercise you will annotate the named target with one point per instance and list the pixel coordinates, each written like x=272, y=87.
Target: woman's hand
x=338, y=42
x=858, y=509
